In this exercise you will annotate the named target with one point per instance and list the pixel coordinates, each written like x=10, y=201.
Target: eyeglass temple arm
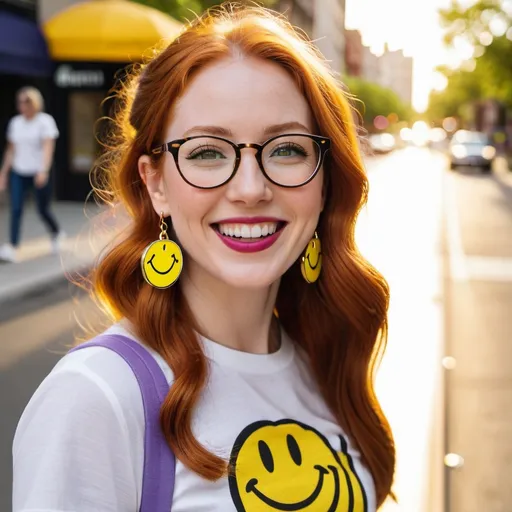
x=160, y=149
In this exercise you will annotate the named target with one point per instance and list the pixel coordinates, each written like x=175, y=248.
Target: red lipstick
x=249, y=220
x=250, y=245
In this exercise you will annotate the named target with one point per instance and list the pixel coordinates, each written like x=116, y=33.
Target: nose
x=249, y=185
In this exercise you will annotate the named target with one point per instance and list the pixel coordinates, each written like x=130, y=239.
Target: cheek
x=308, y=200
x=187, y=205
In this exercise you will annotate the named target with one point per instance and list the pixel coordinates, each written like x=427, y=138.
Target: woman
x=26, y=164
x=225, y=138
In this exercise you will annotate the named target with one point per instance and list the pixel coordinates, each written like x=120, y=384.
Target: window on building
x=84, y=111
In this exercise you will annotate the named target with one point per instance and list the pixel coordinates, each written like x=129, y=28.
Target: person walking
x=26, y=166
x=238, y=286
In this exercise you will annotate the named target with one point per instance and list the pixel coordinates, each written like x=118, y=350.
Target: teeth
x=255, y=231
x=248, y=230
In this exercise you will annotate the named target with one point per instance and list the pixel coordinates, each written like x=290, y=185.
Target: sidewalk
x=502, y=171
x=38, y=267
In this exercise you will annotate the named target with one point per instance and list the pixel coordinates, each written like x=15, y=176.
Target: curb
x=33, y=286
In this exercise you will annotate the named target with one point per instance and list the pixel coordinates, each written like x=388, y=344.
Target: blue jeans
x=19, y=186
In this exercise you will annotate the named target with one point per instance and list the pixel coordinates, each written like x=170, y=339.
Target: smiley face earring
x=311, y=263
x=162, y=260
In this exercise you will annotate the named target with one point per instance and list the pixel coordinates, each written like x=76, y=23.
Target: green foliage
x=371, y=100
x=490, y=73
x=185, y=10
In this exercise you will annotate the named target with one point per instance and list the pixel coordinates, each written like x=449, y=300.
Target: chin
x=249, y=277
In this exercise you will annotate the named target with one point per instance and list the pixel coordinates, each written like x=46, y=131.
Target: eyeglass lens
x=289, y=160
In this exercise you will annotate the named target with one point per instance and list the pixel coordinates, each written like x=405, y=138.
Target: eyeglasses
x=207, y=162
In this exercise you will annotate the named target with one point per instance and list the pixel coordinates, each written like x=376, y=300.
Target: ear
x=154, y=181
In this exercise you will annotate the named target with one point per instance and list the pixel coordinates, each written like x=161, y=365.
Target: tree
x=485, y=27
x=184, y=10
x=372, y=100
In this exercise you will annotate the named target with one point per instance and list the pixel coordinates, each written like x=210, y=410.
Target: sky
x=411, y=25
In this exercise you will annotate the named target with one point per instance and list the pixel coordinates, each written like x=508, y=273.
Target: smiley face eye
x=163, y=248
x=266, y=456
x=294, y=449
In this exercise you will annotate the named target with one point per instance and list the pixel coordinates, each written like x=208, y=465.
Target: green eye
x=288, y=150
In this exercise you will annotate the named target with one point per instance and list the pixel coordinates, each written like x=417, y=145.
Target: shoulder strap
x=159, y=460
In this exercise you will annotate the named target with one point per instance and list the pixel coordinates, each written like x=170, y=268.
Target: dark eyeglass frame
x=173, y=147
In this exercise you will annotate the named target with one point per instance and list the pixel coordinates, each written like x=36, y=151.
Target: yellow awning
x=107, y=30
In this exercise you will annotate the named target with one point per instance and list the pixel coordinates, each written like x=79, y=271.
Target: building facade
x=392, y=69
x=354, y=53
x=370, y=66
x=24, y=58
x=92, y=46
x=324, y=22
x=396, y=73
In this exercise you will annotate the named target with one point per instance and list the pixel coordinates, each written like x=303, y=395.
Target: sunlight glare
x=469, y=65
x=439, y=81
x=498, y=26
x=420, y=133
x=487, y=16
x=486, y=38
x=463, y=47
x=479, y=51
x=507, y=7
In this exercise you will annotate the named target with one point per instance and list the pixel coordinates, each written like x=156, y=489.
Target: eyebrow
x=209, y=130
x=276, y=129
x=269, y=131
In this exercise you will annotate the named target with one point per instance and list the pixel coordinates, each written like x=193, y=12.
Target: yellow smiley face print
x=311, y=264
x=290, y=466
x=162, y=262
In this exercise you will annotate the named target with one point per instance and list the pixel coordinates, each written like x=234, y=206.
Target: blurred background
x=431, y=83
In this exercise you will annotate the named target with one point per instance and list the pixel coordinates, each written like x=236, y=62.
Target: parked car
x=468, y=148
x=381, y=143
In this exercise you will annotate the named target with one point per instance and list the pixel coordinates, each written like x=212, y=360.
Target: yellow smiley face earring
x=162, y=260
x=311, y=263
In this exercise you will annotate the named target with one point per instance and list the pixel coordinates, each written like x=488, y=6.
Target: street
x=444, y=242
x=479, y=337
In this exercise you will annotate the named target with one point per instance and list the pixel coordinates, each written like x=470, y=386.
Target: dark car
x=468, y=148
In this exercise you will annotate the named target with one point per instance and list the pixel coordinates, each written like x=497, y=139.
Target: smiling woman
x=256, y=309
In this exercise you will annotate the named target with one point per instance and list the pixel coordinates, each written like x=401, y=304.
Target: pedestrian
x=26, y=166
x=239, y=166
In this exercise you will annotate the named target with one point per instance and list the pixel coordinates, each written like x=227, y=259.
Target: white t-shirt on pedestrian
x=79, y=445
x=27, y=136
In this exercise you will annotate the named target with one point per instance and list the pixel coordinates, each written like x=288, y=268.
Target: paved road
x=478, y=294
x=33, y=336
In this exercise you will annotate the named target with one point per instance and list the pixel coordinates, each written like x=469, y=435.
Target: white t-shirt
x=79, y=444
x=27, y=136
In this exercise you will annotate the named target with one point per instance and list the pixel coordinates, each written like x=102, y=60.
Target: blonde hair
x=34, y=95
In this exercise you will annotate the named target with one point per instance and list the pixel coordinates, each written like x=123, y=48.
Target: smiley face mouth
x=174, y=261
x=251, y=487
x=313, y=267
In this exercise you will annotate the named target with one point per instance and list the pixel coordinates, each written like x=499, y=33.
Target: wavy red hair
x=340, y=322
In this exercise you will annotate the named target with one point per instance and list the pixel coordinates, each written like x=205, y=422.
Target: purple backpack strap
x=159, y=461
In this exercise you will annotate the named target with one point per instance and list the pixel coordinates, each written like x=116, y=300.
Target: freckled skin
x=162, y=263
x=289, y=466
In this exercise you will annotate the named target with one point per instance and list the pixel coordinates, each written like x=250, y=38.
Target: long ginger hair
x=340, y=322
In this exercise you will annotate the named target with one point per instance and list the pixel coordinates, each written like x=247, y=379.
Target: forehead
x=243, y=94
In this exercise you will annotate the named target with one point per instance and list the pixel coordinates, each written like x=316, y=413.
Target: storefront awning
x=107, y=30
x=23, y=49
